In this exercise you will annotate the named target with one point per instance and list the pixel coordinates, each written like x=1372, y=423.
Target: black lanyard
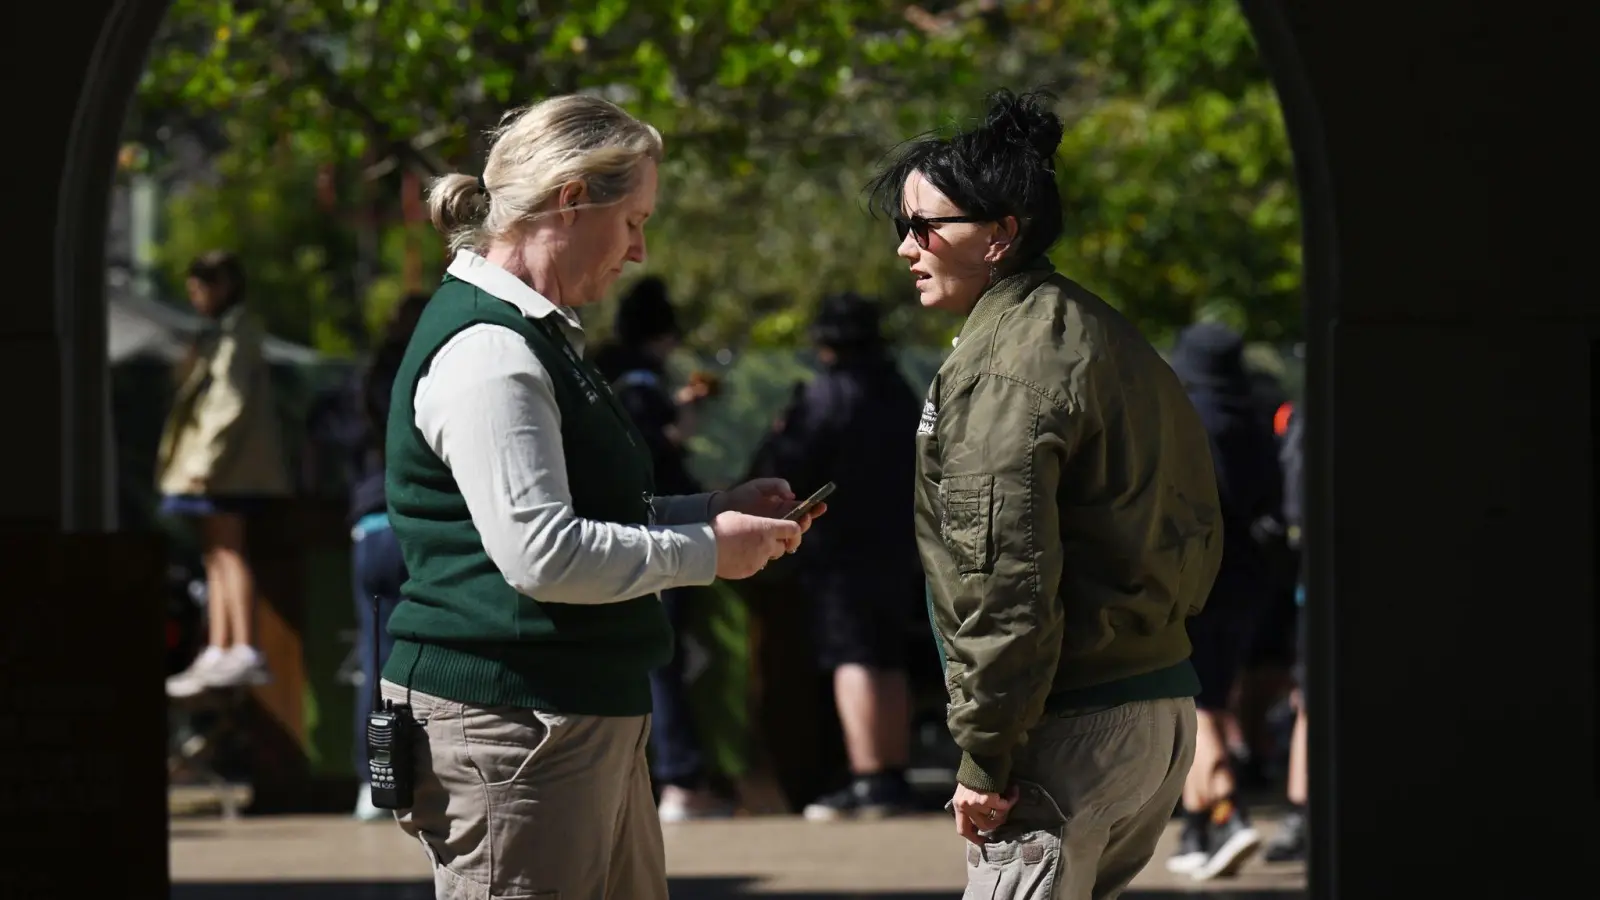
x=596, y=389
x=593, y=387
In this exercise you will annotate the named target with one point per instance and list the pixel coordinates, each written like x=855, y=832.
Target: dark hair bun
x=1027, y=121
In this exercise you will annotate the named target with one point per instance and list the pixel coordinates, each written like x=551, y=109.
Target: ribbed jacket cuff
x=989, y=774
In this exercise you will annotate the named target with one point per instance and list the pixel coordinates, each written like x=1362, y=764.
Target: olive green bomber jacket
x=1067, y=517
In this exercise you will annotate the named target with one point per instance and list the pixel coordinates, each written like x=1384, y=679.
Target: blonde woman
x=221, y=455
x=523, y=501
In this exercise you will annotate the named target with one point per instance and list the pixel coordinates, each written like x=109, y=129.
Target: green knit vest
x=461, y=632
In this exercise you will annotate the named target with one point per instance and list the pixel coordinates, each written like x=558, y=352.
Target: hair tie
x=483, y=188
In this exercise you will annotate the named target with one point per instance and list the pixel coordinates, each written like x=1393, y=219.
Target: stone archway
x=1455, y=560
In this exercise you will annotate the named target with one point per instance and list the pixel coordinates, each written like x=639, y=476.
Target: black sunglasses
x=920, y=226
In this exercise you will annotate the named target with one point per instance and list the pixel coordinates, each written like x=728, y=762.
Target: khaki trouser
x=517, y=803
x=1096, y=792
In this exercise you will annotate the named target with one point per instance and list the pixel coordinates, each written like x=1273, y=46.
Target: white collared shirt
x=487, y=407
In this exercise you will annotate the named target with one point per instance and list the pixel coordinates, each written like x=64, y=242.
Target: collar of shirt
x=497, y=282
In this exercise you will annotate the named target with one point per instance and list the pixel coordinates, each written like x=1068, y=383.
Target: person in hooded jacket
x=1209, y=359
x=377, y=568
x=1291, y=841
x=645, y=333
x=854, y=424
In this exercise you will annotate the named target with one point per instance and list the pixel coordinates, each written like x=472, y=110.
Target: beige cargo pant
x=1097, y=789
x=517, y=803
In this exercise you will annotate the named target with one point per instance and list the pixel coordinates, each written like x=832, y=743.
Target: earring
x=994, y=267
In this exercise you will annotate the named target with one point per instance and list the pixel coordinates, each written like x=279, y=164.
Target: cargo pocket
x=449, y=884
x=1022, y=860
x=967, y=500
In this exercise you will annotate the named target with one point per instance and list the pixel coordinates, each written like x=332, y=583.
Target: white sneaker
x=191, y=681
x=1186, y=863
x=240, y=666
x=1235, y=841
x=1192, y=852
x=680, y=805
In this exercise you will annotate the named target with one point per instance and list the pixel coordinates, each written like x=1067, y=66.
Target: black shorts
x=1273, y=633
x=1300, y=653
x=862, y=618
x=1221, y=641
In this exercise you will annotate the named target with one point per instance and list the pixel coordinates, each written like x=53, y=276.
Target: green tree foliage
x=1176, y=168
x=297, y=254
x=1175, y=165
x=342, y=76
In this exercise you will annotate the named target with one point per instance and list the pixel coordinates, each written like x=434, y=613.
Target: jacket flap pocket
x=967, y=501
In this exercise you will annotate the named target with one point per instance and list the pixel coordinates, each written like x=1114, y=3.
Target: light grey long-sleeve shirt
x=487, y=407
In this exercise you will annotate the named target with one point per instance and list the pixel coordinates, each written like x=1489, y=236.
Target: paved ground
x=328, y=857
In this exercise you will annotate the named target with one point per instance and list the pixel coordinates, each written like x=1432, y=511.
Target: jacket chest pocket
x=966, y=502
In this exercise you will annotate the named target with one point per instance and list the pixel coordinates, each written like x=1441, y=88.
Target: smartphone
x=800, y=512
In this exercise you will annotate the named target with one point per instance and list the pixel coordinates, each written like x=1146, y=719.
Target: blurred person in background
x=1257, y=740
x=220, y=458
x=1292, y=838
x=378, y=568
x=635, y=363
x=855, y=424
x=533, y=536
x=1067, y=518
x=1209, y=359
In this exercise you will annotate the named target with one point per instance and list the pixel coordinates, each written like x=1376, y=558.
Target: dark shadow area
x=720, y=888
x=190, y=832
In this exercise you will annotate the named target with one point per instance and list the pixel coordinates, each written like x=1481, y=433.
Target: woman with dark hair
x=379, y=569
x=221, y=455
x=1067, y=519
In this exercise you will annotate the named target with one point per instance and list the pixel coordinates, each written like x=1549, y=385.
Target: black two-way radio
x=390, y=731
